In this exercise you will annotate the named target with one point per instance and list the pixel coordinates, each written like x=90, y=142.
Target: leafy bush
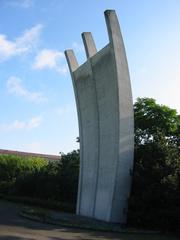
x=12, y=167
x=69, y=176
x=155, y=195
x=40, y=179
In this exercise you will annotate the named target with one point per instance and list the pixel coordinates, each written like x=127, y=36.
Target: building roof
x=28, y=154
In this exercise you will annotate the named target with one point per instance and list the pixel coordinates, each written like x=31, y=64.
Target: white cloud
x=29, y=38
x=15, y=87
x=19, y=3
x=21, y=125
x=34, y=123
x=51, y=59
x=7, y=48
x=23, y=44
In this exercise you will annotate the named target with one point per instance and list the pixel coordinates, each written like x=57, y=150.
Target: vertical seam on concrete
x=81, y=145
x=123, y=54
x=118, y=128
x=98, y=123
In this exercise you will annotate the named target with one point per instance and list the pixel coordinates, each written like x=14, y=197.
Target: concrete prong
x=112, y=24
x=71, y=59
x=89, y=44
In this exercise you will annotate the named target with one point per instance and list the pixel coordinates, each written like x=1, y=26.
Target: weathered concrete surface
x=105, y=112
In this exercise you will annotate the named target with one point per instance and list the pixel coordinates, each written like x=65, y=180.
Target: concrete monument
x=106, y=126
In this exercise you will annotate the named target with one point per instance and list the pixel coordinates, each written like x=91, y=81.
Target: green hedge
x=36, y=178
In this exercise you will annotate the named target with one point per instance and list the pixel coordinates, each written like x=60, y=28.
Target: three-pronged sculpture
x=106, y=126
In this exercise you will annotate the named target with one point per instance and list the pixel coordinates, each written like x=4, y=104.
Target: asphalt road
x=14, y=227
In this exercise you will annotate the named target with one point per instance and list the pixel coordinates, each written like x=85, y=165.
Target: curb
x=85, y=227
x=64, y=224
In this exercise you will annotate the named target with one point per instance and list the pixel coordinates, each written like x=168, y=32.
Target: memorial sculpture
x=106, y=126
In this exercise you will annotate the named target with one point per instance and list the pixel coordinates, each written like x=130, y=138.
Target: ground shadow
x=14, y=238
x=9, y=217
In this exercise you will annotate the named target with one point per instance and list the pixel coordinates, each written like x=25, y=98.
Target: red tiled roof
x=28, y=154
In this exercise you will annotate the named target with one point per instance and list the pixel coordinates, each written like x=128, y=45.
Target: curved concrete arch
x=105, y=113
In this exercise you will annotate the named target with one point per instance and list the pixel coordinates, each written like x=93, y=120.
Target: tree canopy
x=152, y=119
x=155, y=196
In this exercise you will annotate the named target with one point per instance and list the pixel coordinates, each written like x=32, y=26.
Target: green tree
x=155, y=196
x=69, y=176
x=152, y=119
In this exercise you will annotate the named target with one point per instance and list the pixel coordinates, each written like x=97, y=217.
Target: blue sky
x=37, y=106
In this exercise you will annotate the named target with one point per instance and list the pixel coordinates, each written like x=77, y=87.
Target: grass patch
x=42, y=203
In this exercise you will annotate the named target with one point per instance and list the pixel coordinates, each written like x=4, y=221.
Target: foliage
x=155, y=195
x=40, y=179
x=11, y=167
x=69, y=176
x=152, y=118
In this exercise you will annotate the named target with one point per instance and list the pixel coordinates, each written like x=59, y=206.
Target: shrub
x=39, y=179
x=155, y=197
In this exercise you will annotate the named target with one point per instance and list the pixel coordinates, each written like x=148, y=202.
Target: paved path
x=14, y=227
